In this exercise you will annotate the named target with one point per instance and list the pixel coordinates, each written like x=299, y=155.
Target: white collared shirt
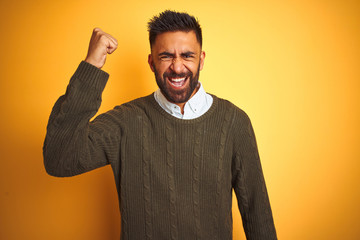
x=196, y=106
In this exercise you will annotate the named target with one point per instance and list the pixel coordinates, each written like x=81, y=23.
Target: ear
x=202, y=58
x=151, y=62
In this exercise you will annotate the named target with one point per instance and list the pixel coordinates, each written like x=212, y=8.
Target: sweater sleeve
x=250, y=189
x=73, y=145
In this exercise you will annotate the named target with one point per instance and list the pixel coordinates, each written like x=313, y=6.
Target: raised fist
x=100, y=45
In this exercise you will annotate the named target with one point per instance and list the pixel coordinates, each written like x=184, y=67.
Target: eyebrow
x=187, y=53
x=165, y=53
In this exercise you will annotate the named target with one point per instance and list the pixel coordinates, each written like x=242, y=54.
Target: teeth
x=177, y=79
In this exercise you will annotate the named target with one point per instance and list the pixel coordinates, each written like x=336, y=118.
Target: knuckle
x=102, y=37
x=98, y=32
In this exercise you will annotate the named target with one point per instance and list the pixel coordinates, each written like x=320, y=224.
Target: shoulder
x=133, y=110
x=236, y=112
x=240, y=129
x=139, y=104
x=128, y=111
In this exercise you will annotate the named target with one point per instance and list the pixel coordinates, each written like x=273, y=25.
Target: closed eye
x=188, y=55
x=165, y=57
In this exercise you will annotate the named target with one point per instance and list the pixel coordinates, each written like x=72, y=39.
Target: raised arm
x=74, y=145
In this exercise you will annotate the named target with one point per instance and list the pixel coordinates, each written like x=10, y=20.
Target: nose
x=177, y=65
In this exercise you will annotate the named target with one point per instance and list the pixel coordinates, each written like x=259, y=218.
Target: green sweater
x=174, y=177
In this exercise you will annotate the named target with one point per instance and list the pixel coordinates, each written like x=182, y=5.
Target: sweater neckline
x=185, y=121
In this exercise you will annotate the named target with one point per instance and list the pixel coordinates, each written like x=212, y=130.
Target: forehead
x=176, y=42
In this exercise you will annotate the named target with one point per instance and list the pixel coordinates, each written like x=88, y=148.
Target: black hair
x=171, y=21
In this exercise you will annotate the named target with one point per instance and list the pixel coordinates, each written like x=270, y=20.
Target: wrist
x=92, y=62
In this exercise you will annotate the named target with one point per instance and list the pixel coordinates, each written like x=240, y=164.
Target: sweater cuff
x=90, y=75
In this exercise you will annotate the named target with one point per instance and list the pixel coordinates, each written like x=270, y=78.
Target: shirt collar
x=197, y=101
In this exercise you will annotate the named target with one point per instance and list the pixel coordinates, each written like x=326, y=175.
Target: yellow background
x=293, y=66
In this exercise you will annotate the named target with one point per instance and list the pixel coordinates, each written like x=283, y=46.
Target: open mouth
x=177, y=82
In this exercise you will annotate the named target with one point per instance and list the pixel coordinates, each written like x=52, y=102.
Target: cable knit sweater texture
x=174, y=177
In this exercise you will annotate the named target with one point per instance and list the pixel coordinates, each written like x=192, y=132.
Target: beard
x=177, y=96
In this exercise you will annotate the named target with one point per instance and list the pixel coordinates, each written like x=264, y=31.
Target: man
x=176, y=154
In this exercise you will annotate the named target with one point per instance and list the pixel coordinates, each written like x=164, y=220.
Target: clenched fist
x=100, y=45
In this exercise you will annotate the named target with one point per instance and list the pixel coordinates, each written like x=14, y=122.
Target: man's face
x=176, y=59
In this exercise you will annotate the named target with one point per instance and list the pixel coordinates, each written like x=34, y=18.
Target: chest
x=167, y=153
